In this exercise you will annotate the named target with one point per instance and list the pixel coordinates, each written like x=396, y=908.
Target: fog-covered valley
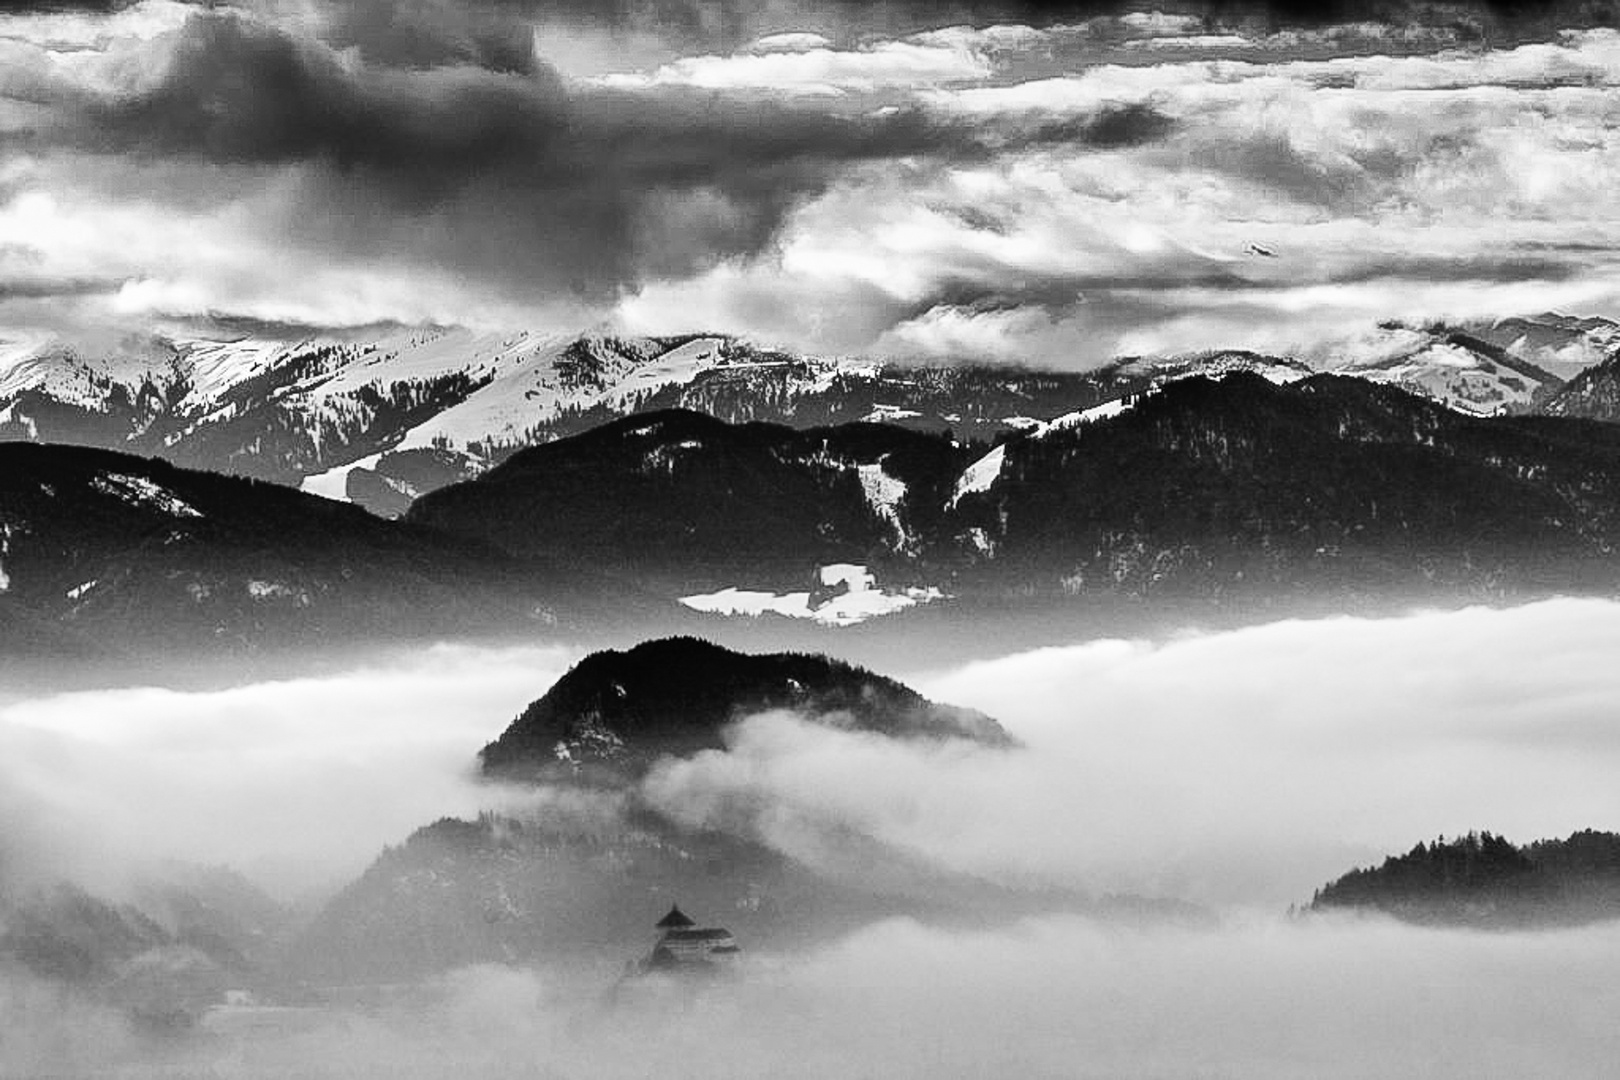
x=1231, y=773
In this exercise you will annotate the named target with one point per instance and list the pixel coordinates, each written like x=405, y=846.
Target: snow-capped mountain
x=1562, y=344
x=1195, y=491
x=381, y=416
x=1460, y=370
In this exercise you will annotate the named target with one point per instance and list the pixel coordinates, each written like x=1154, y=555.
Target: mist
x=1238, y=770
x=1051, y=997
x=297, y=783
x=1241, y=768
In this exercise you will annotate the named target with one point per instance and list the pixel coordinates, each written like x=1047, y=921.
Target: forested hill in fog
x=601, y=858
x=1484, y=880
x=618, y=711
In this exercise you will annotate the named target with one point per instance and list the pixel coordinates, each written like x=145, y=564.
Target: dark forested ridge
x=1204, y=490
x=682, y=501
x=1484, y=880
x=102, y=551
x=1201, y=495
x=1594, y=394
x=616, y=711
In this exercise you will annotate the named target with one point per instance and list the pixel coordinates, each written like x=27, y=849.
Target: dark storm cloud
x=497, y=33
x=27, y=289
x=499, y=173
x=496, y=36
x=98, y=7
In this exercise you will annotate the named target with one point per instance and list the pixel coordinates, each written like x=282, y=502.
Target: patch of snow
x=979, y=476
x=753, y=602
x=884, y=494
x=981, y=541
x=139, y=491
x=662, y=458
x=857, y=600
x=5, y=549
x=888, y=414
x=1107, y=410
x=334, y=482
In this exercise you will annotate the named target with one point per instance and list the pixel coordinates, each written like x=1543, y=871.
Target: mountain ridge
x=382, y=415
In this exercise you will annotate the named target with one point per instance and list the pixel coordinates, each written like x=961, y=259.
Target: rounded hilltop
x=617, y=711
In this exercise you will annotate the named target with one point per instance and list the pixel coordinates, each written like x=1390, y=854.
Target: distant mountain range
x=381, y=416
x=1194, y=492
x=1483, y=880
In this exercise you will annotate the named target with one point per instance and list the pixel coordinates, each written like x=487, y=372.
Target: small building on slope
x=683, y=945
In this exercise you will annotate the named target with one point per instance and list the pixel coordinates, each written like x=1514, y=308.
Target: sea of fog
x=1236, y=770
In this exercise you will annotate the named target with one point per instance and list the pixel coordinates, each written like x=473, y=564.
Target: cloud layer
x=1026, y=181
x=1239, y=768
x=300, y=784
x=1045, y=998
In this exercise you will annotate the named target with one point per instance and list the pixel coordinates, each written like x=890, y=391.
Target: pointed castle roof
x=675, y=920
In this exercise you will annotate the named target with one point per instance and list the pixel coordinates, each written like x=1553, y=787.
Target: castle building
x=684, y=945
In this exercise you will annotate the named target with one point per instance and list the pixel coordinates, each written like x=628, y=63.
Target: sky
x=997, y=181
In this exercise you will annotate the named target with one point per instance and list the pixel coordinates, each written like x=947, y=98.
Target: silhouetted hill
x=111, y=552
x=1201, y=490
x=187, y=934
x=1483, y=880
x=615, y=712
x=1210, y=489
x=678, y=500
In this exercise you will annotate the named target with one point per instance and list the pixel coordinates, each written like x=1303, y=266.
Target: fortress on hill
x=684, y=946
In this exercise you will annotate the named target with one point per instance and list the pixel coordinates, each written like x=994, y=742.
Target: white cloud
x=817, y=69
x=1244, y=767
x=1054, y=997
x=1413, y=186
x=298, y=783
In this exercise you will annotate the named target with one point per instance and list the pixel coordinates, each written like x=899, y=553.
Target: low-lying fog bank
x=297, y=783
x=1237, y=770
x=1046, y=998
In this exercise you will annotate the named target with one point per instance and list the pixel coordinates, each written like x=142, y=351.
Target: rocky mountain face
x=1482, y=880
x=381, y=416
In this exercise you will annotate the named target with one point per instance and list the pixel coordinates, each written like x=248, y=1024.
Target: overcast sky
x=1021, y=181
